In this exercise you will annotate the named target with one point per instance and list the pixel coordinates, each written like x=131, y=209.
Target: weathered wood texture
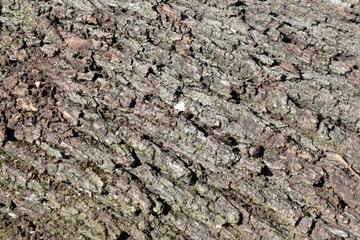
x=180, y=119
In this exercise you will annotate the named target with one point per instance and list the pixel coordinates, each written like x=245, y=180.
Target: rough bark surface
x=149, y=119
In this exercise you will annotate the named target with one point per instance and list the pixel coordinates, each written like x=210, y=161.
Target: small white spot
x=13, y=215
x=37, y=84
x=180, y=106
x=225, y=83
x=341, y=3
x=32, y=197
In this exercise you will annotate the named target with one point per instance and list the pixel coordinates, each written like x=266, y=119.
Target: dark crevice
x=117, y=166
x=312, y=227
x=155, y=169
x=137, y=162
x=134, y=177
x=10, y=134
x=137, y=212
x=96, y=76
x=265, y=170
x=294, y=101
x=320, y=183
x=132, y=103
x=237, y=4
x=201, y=128
x=241, y=220
x=297, y=222
x=166, y=207
x=193, y=179
x=283, y=78
x=228, y=140
x=178, y=93
x=148, y=97
x=342, y=204
x=256, y=60
x=257, y=151
x=273, y=14
x=319, y=121
x=104, y=192
x=286, y=39
x=287, y=23
x=183, y=16
x=226, y=225
x=275, y=63
x=236, y=150
x=235, y=97
x=150, y=72
x=189, y=116
x=146, y=137
x=123, y=236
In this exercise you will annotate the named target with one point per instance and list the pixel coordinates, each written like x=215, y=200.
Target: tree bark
x=150, y=119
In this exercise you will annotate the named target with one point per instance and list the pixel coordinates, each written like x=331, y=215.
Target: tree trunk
x=150, y=119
